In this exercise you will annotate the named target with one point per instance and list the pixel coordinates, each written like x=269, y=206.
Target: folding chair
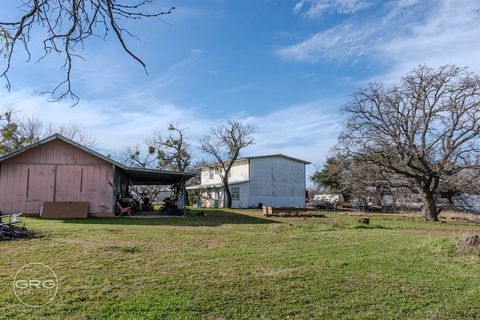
x=124, y=210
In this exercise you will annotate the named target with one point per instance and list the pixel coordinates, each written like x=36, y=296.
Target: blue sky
x=285, y=67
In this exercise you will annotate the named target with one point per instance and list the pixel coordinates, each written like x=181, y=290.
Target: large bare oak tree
x=224, y=145
x=63, y=27
x=426, y=129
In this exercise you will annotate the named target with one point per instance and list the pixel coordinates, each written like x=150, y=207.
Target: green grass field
x=239, y=265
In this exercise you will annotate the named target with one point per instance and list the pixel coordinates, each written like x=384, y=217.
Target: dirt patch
x=127, y=249
x=277, y=227
x=364, y=220
x=114, y=230
x=371, y=226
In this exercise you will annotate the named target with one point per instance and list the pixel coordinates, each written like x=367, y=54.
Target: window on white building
x=210, y=172
x=235, y=193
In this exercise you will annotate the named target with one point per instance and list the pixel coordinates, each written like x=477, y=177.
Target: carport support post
x=181, y=196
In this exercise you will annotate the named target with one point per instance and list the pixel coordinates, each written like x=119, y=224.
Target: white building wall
x=213, y=197
x=277, y=182
x=238, y=172
x=244, y=195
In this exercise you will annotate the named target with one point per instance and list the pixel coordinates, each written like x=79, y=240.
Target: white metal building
x=272, y=180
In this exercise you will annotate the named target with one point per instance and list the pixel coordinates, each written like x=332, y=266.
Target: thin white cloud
x=304, y=131
x=316, y=8
x=298, y=6
x=449, y=35
x=341, y=44
x=407, y=34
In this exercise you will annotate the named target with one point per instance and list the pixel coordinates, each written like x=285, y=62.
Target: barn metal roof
x=137, y=176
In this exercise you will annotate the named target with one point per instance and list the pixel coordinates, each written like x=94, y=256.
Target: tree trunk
x=186, y=195
x=182, y=188
x=227, y=201
x=450, y=197
x=430, y=210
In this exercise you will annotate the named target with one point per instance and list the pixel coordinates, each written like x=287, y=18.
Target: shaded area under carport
x=149, y=177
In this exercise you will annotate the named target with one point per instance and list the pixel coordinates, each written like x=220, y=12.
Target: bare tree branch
x=67, y=24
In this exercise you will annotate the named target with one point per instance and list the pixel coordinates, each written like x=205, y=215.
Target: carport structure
x=57, y=169
x=148, y=177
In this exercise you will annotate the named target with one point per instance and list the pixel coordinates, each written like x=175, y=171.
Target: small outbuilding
x=57, y=169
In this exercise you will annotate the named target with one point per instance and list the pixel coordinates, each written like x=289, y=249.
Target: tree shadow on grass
x=212, y=218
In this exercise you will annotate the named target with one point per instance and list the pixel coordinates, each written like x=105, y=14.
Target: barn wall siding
x=57, y=152
x=55, y=171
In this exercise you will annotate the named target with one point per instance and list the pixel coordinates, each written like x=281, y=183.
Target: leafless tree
x=172, y=150
x=15, y=133
x=197, y=168
x=73, y=131
x=224, y=145
x=135, y=156
x=32, y=128
x=423, y=129
x=173, y=153
x=18, y=132
x=65, y=26
x=369, y=183
x=363, y=184
x=467, y=181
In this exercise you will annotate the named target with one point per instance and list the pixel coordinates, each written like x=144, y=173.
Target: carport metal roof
x=140, y=176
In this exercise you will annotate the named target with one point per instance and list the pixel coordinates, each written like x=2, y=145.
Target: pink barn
x=57, y=169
